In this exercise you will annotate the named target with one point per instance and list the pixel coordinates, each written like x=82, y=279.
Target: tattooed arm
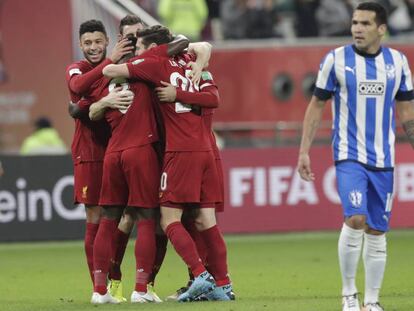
x=311, y=123
x=405, y=110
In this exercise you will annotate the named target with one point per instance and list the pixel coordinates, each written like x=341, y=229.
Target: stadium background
x=265, y=86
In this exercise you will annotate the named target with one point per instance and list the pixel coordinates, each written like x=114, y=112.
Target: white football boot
x=141, y=298
x=350, y=303
x=151, y=291
x=98, y=299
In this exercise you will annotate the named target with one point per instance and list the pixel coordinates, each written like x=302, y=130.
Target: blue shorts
x=366, y=192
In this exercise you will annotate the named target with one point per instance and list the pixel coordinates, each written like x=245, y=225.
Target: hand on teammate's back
x=304, y=167
x=167, y=93
x=119, y=98
x=195, y=73
x=121, y=49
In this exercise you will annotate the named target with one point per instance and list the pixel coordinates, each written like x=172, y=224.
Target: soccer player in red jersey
x=127, y=28
x=189, y=175
x=207, y=99
x=90, y=139
x=131, y=180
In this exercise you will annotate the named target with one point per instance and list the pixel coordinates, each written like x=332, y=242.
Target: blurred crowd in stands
x=259, y=19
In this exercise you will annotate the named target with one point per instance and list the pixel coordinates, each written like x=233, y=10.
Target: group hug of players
x=144, y=153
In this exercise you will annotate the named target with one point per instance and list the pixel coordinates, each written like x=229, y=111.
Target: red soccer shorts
x=131, y=178
x=220, y=203
x=189, y=177
x=88, y=181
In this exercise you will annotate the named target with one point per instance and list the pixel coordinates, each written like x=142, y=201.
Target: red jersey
x=131, y=127
x=137, y=125
x=183, y=125
x=90, y=138
x=99, y=90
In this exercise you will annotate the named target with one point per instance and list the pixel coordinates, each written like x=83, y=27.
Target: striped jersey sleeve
x=405, y=90
x=326, y=81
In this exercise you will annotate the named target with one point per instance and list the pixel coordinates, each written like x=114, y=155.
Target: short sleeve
x=326, y=81
x=405, y=90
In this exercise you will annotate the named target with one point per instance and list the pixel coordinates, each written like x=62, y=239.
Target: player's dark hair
x=91, y=25
x=155, y=34
x=380, y=12
x=129, y=20
x=42, y=122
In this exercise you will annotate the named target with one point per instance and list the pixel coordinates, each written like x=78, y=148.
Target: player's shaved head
x=155, y=34
x=91, y=26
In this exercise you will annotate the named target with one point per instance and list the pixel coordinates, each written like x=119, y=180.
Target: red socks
x=118, y=252
x=90, y=234
x=102, y=251
x=198, y=240
x=161, y=242
x=217, y=255
x=185, y=247
x=144, y=253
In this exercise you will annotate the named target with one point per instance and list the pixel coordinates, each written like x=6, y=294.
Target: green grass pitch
x=286, y=272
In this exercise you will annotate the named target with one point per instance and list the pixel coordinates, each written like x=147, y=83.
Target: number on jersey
x=119, y=82
x=185, y=84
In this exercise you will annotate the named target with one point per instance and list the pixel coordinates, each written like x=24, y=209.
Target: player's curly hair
x=91, y=25
x=129, y=20
x=155, y=34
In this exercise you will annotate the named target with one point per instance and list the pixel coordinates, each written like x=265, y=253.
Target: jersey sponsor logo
x=75, y=71
x=371, y=88
x=84, y=192
x=355, y=197
x=138, y=61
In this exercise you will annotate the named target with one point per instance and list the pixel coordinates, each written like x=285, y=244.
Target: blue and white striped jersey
x=364, y=90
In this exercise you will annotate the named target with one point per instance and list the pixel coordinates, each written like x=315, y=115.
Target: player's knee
x=204, y=221
x=93, y=214
x=126, y=223
x=164, y=223
x=356, y=221
x=111, y=212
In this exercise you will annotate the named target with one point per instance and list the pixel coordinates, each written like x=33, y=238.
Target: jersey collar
x=363, y=54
